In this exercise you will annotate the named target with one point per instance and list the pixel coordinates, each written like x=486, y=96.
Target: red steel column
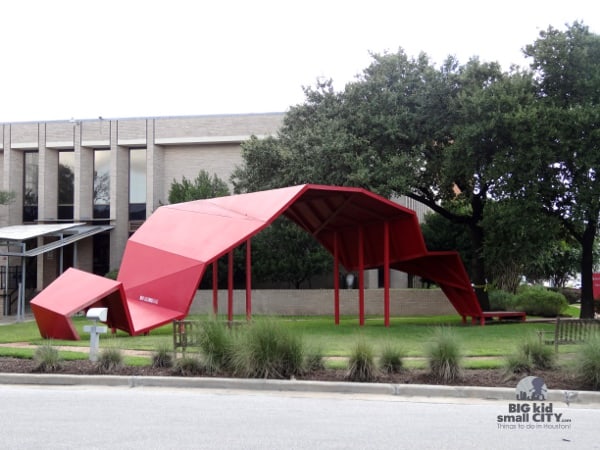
x=230, y=286
x=386, y=273
x=336, y=280
x=215, y=283
x=248, y=280
x=361, y=276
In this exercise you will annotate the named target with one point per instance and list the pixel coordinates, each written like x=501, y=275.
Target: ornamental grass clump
x=47, y=358
x=266, y=349
x=110, y=359
x=361, y=364
x=391, y=359
x=588, y=364
x=444, y=356
x=531, y=354
x=188, y=365
x=216, y=342
x=163, y=357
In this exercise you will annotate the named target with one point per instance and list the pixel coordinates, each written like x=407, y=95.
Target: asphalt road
x=86, y=417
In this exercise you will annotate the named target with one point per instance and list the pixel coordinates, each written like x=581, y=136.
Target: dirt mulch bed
x=557, y=379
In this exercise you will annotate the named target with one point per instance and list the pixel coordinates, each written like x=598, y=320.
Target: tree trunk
x=587, y=267
x=478, y=267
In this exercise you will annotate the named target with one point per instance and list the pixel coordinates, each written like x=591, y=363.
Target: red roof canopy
x=165, y=259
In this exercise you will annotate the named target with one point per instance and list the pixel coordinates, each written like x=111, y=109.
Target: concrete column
x=84, y=179
x=47, y=178
x=12, y=181
x=155, y=174
x=119, y=196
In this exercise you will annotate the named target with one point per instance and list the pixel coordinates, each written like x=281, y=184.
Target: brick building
x=106, y=176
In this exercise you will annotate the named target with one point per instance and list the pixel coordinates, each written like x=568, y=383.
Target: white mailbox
x=98, y=314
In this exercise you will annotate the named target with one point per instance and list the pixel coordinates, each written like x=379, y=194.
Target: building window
x=66, y=184
x=30, y=187
x=137, y=184
x=102, y=184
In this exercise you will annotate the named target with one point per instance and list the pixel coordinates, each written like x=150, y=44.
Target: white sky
x=82, y=59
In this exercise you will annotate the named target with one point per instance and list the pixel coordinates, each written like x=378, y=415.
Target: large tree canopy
x=470, y=141
x=559, y=171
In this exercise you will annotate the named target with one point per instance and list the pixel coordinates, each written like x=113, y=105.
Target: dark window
x=30, y=187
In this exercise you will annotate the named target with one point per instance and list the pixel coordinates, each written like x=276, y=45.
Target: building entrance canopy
x=167, y=256
x=14, y=239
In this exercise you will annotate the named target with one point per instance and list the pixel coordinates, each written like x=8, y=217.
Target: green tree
x=6, y=197
x=203, y=186
x=405, y=127
x=560, y=168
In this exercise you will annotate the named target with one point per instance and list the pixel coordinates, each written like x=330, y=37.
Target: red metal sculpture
x=167, y=256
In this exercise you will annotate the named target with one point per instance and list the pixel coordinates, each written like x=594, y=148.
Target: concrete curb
x=401, y=390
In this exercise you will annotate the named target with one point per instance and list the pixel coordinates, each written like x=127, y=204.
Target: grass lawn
x=489, y=343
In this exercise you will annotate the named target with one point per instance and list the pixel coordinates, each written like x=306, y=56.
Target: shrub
x=531, y=354
x=588, y=364
x=267, y=350
x=518, y=363
x=444, y=356
x=539, y=301
x=47, y=358
x=109, y=359
x=391, y=359
x=163, y=357
x=216, y=345
x=313, y=361
x=361, y=365
x=502, y=300
x=188, y=365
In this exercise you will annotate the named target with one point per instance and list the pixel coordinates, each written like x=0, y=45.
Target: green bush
x=162, y=357
x=215, y=341
x=391, y=359
x=539, y=301
x=361, y=365
x=266, y=349
x=109, y=359
x=588, y=364
x=502, y=301
x=313, y=361
x=531, y=354
x=444, y=356
x=47, y=358
x=188, y=365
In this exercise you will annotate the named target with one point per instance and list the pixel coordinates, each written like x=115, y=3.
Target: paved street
x=132, y=418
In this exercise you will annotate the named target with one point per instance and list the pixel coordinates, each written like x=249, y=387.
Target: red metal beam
x=230, y=286
x=248, y=280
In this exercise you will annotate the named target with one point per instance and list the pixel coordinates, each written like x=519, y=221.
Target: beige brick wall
x=187, y=161
x=24, y=133
x=403, y=302
x=225, y=125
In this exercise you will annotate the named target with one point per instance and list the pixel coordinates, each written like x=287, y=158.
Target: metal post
x=386, y=273
x=215, y=283
x=336, y=279
x=248, y=280
x=361, y=276
x=230, y=287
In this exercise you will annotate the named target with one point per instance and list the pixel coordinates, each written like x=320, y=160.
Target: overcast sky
x=82, y=59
